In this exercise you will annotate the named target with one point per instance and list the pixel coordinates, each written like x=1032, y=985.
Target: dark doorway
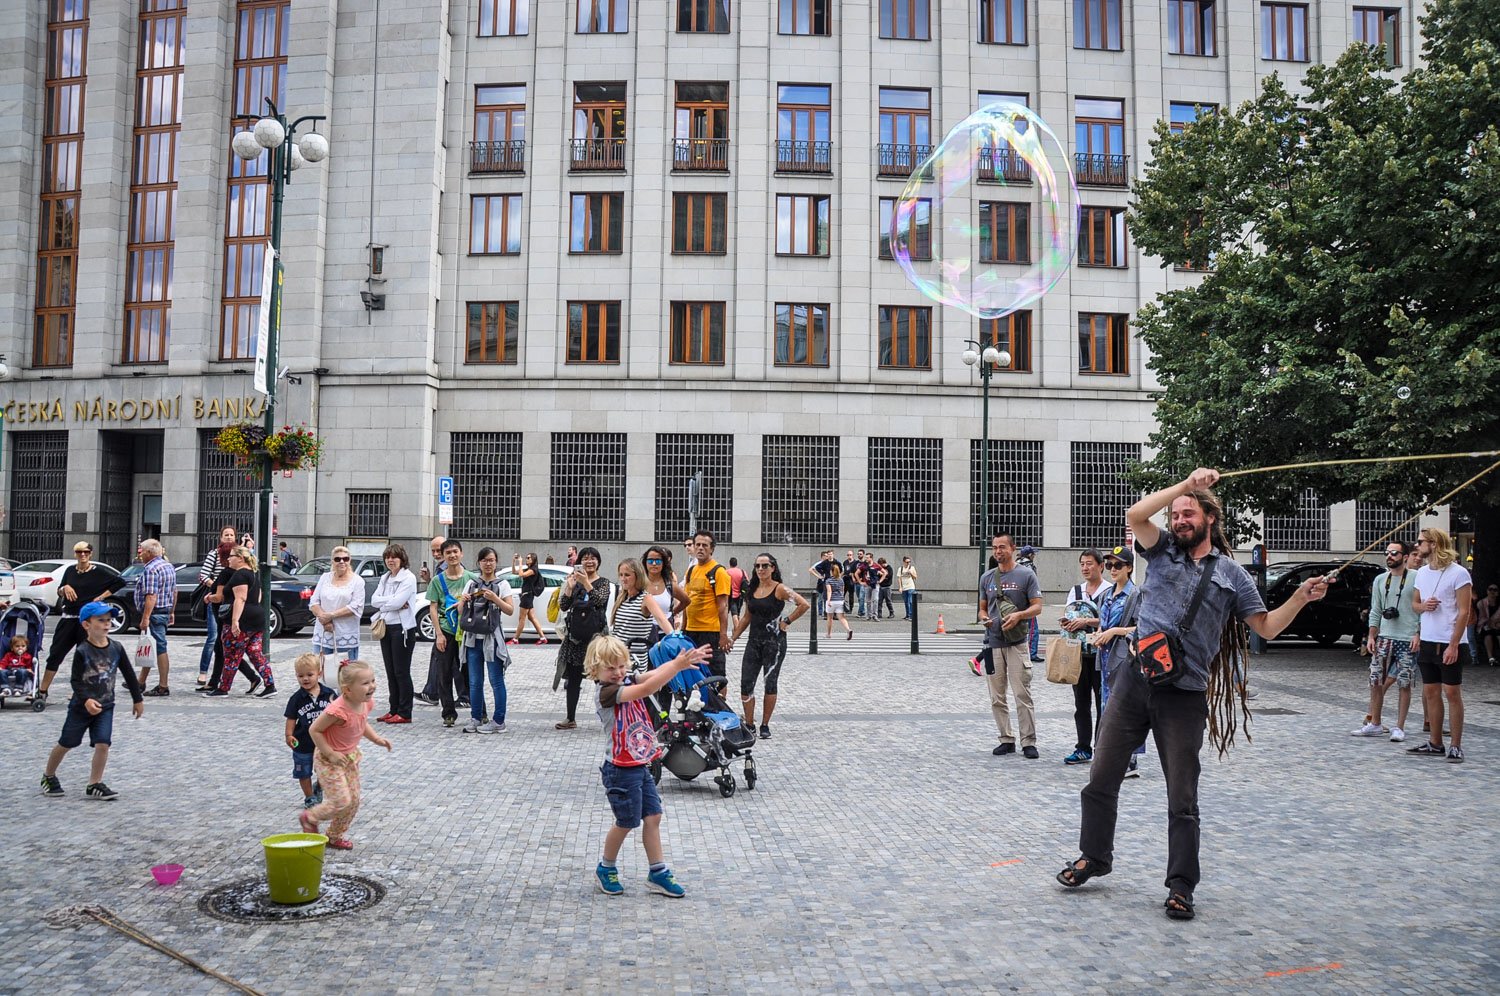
x=130, y=467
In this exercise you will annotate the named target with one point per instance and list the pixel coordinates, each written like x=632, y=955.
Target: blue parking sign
x=445, y=491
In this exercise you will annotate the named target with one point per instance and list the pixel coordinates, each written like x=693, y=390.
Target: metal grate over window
x=1099, y=494
x=38, y=475
x=486, y=471
x=226, y=495
x=588, y=487
x=369, y=514
x=1305, y=529
x=799, y=498
x=1015, y=490
x=678, y=457
x=906, y=492
x=1373, y=521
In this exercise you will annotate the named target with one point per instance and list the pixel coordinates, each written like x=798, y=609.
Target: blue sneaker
x=665, y=883
x=609, y=881
x=1079, y=757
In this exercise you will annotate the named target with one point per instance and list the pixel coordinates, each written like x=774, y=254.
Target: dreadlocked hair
x=1229, y=671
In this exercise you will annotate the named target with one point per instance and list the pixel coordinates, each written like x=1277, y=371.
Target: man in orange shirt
x=707, y=584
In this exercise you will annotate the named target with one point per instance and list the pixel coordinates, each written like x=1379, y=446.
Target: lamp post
x=273, y=134
x=987, y=358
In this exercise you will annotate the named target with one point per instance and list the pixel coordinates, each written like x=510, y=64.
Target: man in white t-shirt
x=1442, y=595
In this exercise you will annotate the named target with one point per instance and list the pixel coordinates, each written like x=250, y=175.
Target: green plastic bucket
x=294, y=866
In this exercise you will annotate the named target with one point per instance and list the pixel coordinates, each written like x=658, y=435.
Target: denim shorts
x=158, y=627
x=100, y=727
x=632, y=793
x=328, y=649
x=301, y=765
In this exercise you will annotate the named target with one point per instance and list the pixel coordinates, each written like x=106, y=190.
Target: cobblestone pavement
x=883, y=849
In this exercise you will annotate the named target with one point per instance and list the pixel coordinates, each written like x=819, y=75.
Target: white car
x=7, y=586
x=38, y=580
x=553, y=575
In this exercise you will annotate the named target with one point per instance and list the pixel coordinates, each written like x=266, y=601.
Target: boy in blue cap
x=92, y=706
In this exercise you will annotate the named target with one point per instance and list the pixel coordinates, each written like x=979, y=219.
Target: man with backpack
x=707, y=616
x=442, y=603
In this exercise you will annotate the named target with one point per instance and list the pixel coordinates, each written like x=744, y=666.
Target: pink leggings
x=235, y=649
x=340, y=792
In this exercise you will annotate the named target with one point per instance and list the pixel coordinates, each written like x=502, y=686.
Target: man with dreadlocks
x=1207, y=684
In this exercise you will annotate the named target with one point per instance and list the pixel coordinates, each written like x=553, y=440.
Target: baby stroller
x=24, y=619
x=698, y=730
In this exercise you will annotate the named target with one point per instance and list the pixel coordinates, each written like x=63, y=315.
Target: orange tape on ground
x=1001, y=864
x=1308, y=968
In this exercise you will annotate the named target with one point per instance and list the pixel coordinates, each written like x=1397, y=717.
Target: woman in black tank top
x=765, y=599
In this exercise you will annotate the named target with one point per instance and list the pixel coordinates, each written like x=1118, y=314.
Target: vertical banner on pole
x=262, y=380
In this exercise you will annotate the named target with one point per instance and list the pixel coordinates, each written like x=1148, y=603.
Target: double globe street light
x=988, y=359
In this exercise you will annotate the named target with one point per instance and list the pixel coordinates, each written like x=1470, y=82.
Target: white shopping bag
x=145, y=651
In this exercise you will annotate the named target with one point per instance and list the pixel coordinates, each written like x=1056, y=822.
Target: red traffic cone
x=941, y=628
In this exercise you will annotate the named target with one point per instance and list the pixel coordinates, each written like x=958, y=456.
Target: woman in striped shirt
x=634, y=613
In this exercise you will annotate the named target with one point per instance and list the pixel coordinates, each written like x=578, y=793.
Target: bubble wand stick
x=1354, y=460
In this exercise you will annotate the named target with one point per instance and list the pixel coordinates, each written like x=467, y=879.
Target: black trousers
x=395, y=650
x=1088, y=684
x=430, y=687
x=446, y=662
x=717, y=663
x=65, y=637
x=1176, y=719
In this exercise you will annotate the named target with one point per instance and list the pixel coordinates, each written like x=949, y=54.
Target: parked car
x=7, y=584
x=1337, y=614
x=38, y=580
x=369, y=569
x=289, y=597
x=552, y=575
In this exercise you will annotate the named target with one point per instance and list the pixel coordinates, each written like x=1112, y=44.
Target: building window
x=699, y=223
x=904, y=19
x=905, y=338
x=495, y=225
x=1283, y=32
x=1002, y=22
x=1190, y=27
x=62, y=154
x=499, y=144
x=486, y=470
x=153, y=184
x=802, y=129
x=598, y=223
x=1101, y=236
x=369, y=515
x=997, y=160
x=598, y=126
x=603, y=17
x=38, y=462
x=1306, y=528
x=905, y=130
x=1004, y=232
x=226, y=496
x=905, y=492
x=1103, y=343
x=493, y=331
x=679, y=458
x=698, y=332
x=498, y=18
x=703, y=16
x=1373, y=521
x=588, y=487
x=1099, y=493
x=802, y=335
x=1011, y=333
x=919, y=240
x=1015, y=491
x=1379, y=28
x=593, y=331
x=1183, y=114
x=1099, y=142
x=1096, y=24
x=801, y=225
x=805, y=17
x=701, y=142
x=799, y=490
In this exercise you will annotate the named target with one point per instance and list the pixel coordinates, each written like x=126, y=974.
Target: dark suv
x=1339, y=613
x=289, y=598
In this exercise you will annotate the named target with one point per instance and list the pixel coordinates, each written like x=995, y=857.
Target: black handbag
x=1159, y=655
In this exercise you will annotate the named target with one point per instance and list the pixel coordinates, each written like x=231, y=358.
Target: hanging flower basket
x=289, y=449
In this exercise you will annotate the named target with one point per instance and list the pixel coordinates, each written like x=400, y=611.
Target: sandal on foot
x=1179, y=906
x=341, y=844
x=1080, y=871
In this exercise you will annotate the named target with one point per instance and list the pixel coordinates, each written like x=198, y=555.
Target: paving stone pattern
x=883, y=849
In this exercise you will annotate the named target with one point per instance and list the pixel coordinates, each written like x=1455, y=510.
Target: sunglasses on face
x=653, y=560
x=340, y=560
x=762, y=567
x=1113, y=567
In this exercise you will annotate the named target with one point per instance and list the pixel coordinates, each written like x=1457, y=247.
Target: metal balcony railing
x=1003, y=165
x=597, y=154
x=804, y=157
x=1101, y=171
x=700, y=155
x=899, y=160
x=497, y=157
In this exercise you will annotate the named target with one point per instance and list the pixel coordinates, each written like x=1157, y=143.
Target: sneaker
x=472, y=726
x=1004, y=749
x=252, y=689
x=1369, y=730
x=426, y=699
x=51, y=786
x=99, y=790
x=317, y=796
x=1427, y=749
x=268, y=690
x=1030, y=753
x=309, y=801
x=512, y=642
x=765, y=731
x=974, y=666
x=542, y=642
x=1455, y=755
x=608, y=881
x=463, y=703
x=664, y=883
x=490, y=727
x=448, y=721
x=1398, y=735
x=1039, y=660
x=1079, y=756
x=157, y=693
x=1132, y=770
x=217, y=693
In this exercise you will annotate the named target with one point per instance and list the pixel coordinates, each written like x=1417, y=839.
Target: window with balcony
x=1011, y=333
x=1283, y=32
x=598, y=223
x=698, y=332
x=905, y=19
x=1101, y=236
x=905, y=130
x=803, y=132
x=1379, y=28
x=493, y=331
x=1190, y=27
x=499, y=18
x=499, y=144
x=1099, y=142
x=701, y=142
x=1002, y=22
x=802, y=335
x=703, y=16
x=920, y=241
x=1004, y=232
x=805, y=17
x=598, y=127
x=603, y=17
x=1181, y=114
x=1103, y=343
x=801, y=225
x=594, y=332
x=495, y=225
x=700, y=224
x=905, y=338
x=1096, y=24
x=998, y=162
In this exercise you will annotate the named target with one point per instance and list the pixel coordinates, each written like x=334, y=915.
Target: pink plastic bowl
x=167, y=874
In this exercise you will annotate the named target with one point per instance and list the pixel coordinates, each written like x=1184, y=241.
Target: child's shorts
x=100, y=728
x=301, y=765
x=632, y=793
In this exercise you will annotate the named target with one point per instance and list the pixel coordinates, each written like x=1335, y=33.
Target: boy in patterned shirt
x=92, y=707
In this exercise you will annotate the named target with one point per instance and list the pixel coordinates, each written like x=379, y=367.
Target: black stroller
x=699, y=731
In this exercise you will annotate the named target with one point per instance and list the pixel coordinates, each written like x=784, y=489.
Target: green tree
x=1354, y=237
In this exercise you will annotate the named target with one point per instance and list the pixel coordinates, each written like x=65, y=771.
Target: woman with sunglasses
x=337, y=603
x=661, y=583
x=82, y=582
x=1112, y=639
x=244, y=630
x=767, y=597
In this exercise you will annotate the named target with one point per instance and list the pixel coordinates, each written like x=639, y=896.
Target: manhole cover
x=1274, y=711
x=249, y=900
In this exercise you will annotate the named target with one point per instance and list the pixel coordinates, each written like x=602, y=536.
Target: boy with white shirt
x=1442, y=596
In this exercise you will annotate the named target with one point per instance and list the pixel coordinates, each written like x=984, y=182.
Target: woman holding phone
x=532, y=587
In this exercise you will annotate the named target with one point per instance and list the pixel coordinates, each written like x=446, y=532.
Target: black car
x=289, y=598
x=1338, y=614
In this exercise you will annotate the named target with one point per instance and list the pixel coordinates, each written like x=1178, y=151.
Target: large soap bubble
x=1010, y=145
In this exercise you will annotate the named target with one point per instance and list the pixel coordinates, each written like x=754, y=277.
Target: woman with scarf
x=585, y=598
x=485, y=651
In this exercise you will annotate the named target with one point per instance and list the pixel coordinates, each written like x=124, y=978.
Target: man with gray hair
x=156, y=601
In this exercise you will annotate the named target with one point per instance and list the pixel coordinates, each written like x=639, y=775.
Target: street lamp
x=988, y=359
x=274, y=135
